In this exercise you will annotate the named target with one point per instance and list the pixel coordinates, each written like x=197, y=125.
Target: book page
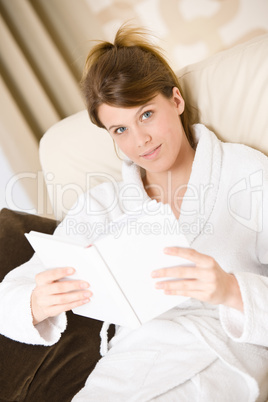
x=107, y=302
x=135, y=252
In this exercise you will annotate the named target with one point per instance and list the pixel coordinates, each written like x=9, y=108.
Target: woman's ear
x=178, y=100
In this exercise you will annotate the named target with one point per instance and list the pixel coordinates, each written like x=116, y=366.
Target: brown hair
x=128, y=73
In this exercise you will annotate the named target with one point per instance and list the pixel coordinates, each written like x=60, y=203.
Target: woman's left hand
x=206, y=281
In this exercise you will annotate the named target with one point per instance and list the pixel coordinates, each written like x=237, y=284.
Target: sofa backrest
x=228, y=93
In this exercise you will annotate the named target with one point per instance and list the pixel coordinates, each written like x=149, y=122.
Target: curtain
x=43, y=46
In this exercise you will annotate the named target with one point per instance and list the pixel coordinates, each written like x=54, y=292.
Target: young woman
x=214, y=345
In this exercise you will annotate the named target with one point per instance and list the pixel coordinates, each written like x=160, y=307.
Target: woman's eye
x=120, y=130
x=146, y=115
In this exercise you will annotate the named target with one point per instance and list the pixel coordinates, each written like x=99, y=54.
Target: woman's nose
x=142, y=136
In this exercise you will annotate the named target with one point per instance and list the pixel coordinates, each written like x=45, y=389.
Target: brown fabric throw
x=31, y=373
x=14, y=247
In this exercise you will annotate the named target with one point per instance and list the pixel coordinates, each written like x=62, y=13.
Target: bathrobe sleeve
x=17, y=286
x=252, y=325
x=15, y=310
x=15, y=295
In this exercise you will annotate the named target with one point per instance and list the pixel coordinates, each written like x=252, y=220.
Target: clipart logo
x=250, y=190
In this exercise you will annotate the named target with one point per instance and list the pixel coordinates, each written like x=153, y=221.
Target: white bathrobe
x=195, y=350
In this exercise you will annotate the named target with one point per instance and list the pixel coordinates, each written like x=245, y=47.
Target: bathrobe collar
x=202, y=189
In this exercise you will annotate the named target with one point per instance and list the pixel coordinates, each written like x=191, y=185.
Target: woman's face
x=151, y=135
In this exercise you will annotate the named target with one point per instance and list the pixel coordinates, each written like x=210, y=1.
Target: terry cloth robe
x=203, y=349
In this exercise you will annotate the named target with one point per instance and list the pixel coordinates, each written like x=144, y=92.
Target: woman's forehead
x=108, y=112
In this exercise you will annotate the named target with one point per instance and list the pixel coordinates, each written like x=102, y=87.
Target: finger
x=195, y=294
x=177, y=272
x=46, y=301
x=189, y=254
x=60, y=308
x=184, y=285
x=185, y=272
x=187, y=288
x=68, y=298
x=52, y=275
x=67, y=286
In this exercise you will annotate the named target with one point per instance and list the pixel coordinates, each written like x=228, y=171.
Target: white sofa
x=228, y=91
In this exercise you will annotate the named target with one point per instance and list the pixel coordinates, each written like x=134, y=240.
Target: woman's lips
x=151, y=154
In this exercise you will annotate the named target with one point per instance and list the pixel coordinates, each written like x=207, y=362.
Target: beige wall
x=44, y=44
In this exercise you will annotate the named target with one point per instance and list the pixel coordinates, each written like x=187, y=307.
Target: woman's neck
x=170, y=186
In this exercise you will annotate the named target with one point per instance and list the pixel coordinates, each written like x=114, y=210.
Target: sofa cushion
x=37, y=373
x=86, y=155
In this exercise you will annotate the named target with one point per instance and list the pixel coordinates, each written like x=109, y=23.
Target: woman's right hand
x=54, y=295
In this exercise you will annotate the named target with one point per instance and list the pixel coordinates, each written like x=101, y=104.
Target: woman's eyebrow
x=136, y=114
x=115, y=125
x=144, y=106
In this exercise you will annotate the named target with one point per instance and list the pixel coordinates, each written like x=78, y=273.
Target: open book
x=118, y=267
